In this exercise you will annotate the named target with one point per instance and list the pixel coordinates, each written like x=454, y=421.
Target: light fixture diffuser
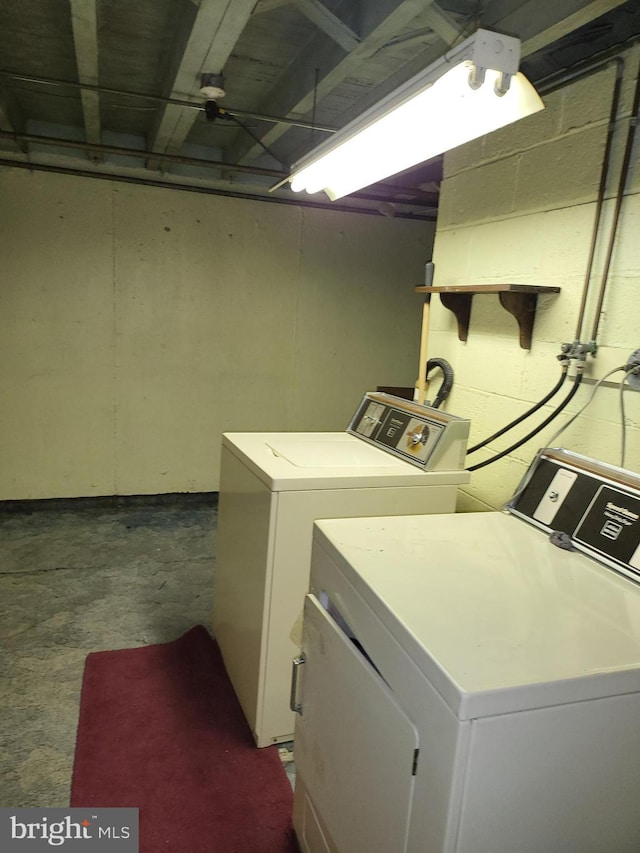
x=470, y=91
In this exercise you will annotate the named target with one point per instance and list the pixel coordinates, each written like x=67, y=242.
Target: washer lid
x=324, y=453
x=298, y=461
x=497, y=617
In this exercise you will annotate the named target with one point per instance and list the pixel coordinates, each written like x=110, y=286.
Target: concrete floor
x=84, y=576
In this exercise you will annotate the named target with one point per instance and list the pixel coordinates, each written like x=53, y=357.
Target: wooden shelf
x=520, y=300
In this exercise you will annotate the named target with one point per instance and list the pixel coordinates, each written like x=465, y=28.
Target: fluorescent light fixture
x=472, y=90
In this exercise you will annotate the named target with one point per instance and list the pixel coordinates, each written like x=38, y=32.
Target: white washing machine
x=395, y=458
x=470, y=685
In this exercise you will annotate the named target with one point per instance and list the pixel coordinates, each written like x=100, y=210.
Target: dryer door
x=355, y=749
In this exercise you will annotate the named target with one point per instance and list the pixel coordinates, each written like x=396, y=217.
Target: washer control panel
x=426, y=437
x=596, y=506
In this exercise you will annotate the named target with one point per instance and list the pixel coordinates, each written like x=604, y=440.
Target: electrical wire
x=527, y=478
x=587, y=404
x=524, y=482
x=623, y=420
x=255, y=137
x=526, y=415
x=535, y=431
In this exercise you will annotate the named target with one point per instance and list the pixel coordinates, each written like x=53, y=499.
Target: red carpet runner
x=161, y=729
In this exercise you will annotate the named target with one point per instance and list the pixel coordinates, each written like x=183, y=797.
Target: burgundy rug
x=161, y=729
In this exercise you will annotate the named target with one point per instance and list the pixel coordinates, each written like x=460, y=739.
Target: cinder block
x=619, y=306
x=495, y=484
x=452, y=256
x=470, y=503
x=556, y=315
x=542, y=370
x=587, y=101
x=625, y=260
x=631, y=59
x=491, y=362
x=476, y=196
x=618, y=148
x=543, y=238
x=533, y=130
x=463, y=157
x=538, y=248
x=497, y=252
x=562, y=173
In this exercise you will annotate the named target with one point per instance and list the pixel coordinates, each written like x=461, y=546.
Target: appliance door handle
x=297, y=662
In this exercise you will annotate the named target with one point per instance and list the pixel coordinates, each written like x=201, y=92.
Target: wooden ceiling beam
x=329, y=23
x=84, y=21
x=214, y=32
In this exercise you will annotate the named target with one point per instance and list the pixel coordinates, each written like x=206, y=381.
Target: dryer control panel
x=594, y=506
x=427, y=437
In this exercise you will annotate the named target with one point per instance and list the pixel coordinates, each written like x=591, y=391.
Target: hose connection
x=578, y=350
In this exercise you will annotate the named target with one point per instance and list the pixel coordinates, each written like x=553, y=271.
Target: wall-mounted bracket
x=520, y=300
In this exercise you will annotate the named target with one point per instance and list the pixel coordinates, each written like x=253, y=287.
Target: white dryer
x=395, y=458
x=471, y=683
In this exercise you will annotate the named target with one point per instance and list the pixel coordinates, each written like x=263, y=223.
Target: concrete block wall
x=138, y=323
x=518, y=206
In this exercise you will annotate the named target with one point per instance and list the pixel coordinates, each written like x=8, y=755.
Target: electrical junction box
x=633, y=379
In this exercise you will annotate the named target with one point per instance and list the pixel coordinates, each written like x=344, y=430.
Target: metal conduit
x=49, y=81
x=194, y=188
x=604, y=174
x=555, y=81
x=140, y=154
x=624, y=172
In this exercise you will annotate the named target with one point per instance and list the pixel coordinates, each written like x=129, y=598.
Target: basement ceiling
x=111, y=88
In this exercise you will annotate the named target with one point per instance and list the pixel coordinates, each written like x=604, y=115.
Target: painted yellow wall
x=137, y=324
x=518, y=206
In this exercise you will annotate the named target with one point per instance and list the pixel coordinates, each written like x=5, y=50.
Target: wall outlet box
x=633, y=379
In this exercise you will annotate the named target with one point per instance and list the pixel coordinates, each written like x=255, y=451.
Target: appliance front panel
x=483, y=603
x=588, y=505
x=360, y=779
x=424, y=436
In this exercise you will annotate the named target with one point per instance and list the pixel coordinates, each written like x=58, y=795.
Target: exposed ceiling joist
x=288, y=63
x=216, y=28
x=329, y=23
x=298, y=98
x=135, y=153
x=85, y=39
x=5, y=121
x=268, y=5
x=442, y=24
x=10, y=121
x=571, y=16
x=540, y=23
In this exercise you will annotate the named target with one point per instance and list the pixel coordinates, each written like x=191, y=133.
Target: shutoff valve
x=578, y=350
